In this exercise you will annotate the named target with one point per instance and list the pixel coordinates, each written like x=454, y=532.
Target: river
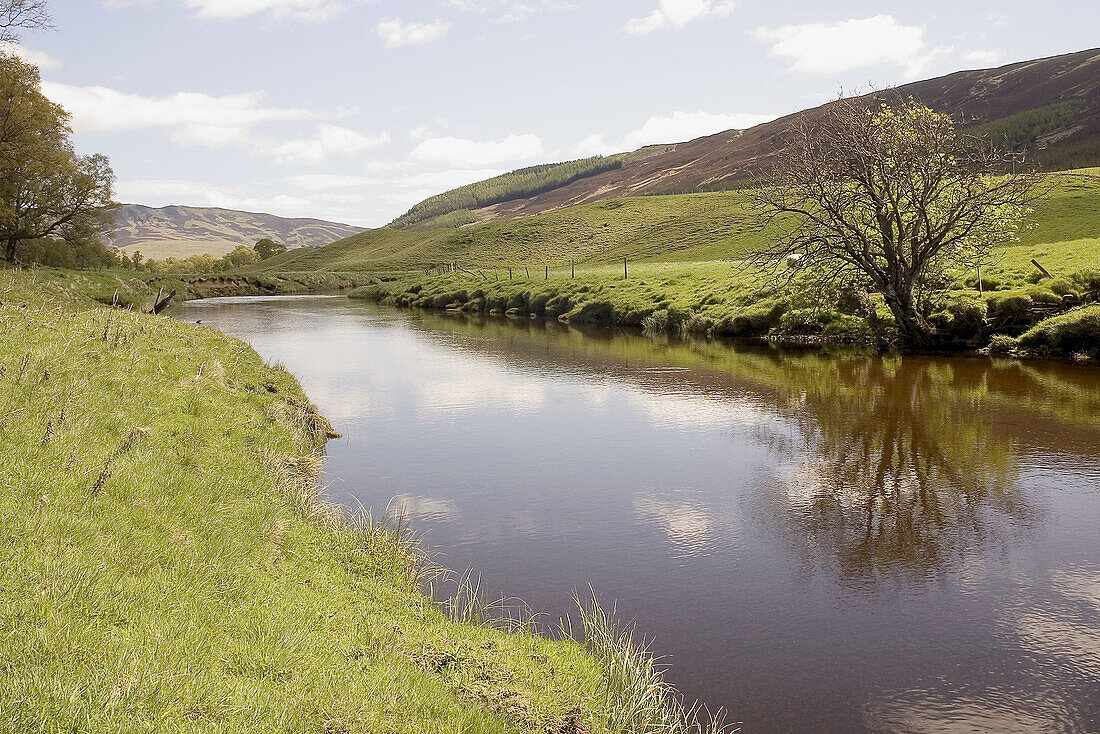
x=816, y=542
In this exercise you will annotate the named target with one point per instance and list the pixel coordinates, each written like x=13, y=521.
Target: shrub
x=959, y=321
x=1011, y=309
x=1001, y=344
x=806, y=321
x=848, y=328
x=1067, y=334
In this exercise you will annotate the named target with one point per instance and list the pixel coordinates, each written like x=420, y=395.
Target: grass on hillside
x=688, y=227
x=167, y=568
x=677, y=228
x=679, y=251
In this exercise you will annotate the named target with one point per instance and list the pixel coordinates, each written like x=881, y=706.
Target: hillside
x=1049, y=107
x=677, y=227
x=182, y=231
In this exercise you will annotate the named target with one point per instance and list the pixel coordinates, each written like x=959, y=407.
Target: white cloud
x=101, y=109
x=516, y=13
x=677, y=14
x=673, y=128
x=681, y=126
x=831, y=48
x=459, y=152
x=337, y=207
x=195, y=193
x=396, y=32
x=983, y=57
x=234, y=9
x=329, y=181
x=202, y=135
x=200, y=120
x=39, y=58
x=437, y=181
x=388, y=166
x=509, y=11
x=331, y=140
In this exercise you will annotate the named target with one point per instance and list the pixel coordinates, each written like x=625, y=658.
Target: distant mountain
x=182, y=231
x=1048, y=107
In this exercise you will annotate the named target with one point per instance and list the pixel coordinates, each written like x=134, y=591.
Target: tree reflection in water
x=897, y=472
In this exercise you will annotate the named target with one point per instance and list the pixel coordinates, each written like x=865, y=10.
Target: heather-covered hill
x=1047, y=108
x=181, y=231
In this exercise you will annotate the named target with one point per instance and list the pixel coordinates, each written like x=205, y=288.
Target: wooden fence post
x=1042, y=270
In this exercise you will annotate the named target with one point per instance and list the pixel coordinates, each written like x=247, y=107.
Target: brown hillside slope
x=181, y=231
x=972, y=97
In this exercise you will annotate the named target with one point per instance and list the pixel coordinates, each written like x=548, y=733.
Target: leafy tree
x=241, y=256
x=75, y=256
x=46, y=189
x=891, y=199
x=135, y=260
x=266, y=248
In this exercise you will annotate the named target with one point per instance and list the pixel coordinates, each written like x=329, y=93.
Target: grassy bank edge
x=719, y=299
x=457, y=676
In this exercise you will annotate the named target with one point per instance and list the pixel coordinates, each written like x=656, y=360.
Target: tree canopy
x=267, y=247
x=892, y=199
x=47, y=191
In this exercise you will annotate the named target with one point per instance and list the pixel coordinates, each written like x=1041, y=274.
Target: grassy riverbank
x=167, y=567
x=682, y=255
x=725, y=299
x=131, y=288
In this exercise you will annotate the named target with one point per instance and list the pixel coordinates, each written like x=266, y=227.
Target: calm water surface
x=817, y=543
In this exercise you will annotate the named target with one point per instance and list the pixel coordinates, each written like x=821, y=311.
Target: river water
x=816, y=542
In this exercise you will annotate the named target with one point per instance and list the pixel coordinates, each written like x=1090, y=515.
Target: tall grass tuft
x=639, y=699
x=468, y=604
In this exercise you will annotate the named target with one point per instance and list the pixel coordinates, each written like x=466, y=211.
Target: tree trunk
x=10, y=250
x=914, y=330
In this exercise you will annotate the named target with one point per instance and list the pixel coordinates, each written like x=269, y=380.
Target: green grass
x=726, y=299
x=647, y=228
x=677, y=228
x=167, y=567
x=129, y=288
x=683, y=253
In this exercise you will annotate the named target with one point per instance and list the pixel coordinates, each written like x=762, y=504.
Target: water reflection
x=1066, y=630
x=898, y=471
x=893, y=466
x=818, y=542
x=686, y=526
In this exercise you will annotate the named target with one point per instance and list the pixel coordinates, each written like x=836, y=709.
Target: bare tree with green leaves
x=47, y=191
x=22, y=15
x=891, y=198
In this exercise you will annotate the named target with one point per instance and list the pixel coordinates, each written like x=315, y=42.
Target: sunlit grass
x=167, y=565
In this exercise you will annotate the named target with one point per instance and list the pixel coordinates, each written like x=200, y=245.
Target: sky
x=353, y=110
